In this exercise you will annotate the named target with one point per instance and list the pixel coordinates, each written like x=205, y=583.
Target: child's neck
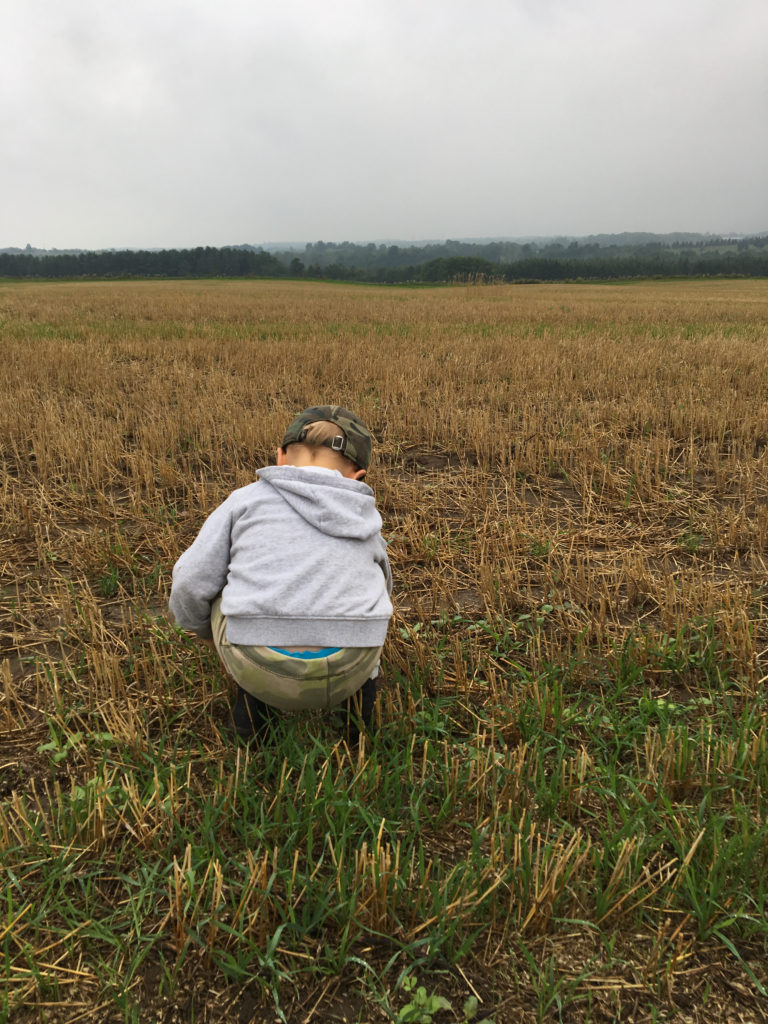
x=301, y=457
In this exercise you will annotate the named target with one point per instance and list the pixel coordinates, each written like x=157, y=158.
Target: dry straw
x=574, y=485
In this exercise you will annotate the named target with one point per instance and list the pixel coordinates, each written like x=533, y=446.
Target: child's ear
x=359, y=475
x=280, y=457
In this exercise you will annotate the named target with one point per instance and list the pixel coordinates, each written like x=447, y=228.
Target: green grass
x=143, y=861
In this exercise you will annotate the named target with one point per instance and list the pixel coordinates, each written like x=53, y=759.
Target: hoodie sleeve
x=201, y=572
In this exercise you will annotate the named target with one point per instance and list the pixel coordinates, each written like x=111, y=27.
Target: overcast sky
x=212, y=122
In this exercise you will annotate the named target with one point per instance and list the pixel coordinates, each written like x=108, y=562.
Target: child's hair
x=320, y=430
x=316, y=433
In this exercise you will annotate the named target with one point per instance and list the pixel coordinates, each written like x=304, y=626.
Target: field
x=562, y=813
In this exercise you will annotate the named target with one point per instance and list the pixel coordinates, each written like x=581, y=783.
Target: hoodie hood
x=332, y=503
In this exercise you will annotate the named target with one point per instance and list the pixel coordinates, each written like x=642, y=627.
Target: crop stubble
x=573, y=486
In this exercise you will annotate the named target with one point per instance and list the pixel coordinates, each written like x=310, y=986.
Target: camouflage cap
x=354, y=441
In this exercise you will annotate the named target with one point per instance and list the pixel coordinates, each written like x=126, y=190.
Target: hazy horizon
x=300, y=245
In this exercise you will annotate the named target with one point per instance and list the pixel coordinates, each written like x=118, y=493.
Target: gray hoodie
x=297, y=557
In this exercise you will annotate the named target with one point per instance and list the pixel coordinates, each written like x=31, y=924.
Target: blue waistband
x=308, y=655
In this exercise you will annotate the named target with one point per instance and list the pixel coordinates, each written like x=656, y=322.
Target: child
x=289, y=577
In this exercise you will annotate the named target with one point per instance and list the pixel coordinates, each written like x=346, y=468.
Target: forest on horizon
x=601, y=257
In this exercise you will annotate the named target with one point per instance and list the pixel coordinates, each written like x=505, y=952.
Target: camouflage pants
x=291, y=683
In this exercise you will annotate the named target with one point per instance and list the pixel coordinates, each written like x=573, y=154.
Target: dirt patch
x=437, y=460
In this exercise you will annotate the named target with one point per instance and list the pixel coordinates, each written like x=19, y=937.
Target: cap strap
x=338, y=443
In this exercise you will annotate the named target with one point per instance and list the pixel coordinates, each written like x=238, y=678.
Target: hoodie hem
x=275, y=632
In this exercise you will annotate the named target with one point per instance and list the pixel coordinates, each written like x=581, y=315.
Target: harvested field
x=563, y=812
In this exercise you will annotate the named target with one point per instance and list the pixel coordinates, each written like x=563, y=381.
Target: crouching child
x=289, y=579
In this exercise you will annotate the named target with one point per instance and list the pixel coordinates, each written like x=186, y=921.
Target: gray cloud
x=188, y=123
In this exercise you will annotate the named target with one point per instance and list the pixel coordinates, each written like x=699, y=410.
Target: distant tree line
x=200, y=262
x=449, y=261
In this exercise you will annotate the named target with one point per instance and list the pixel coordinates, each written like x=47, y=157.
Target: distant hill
x=622, y=239
x=30, y=250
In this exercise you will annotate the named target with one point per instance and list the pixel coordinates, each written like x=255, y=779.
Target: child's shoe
x=357, y=710
x=249, y=717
